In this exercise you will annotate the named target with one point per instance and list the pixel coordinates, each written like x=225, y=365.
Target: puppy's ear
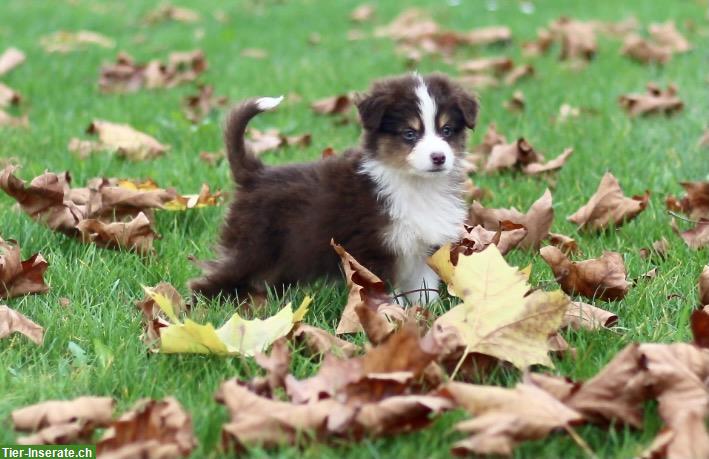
x=468, y=106
x=371, y=108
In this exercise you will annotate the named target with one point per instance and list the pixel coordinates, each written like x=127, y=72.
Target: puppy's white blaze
x=268, y=103
x=431, y=142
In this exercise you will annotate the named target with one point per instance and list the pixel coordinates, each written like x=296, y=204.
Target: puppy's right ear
x=371, y=108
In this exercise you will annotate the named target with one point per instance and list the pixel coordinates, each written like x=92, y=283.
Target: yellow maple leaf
x=238, y=336
x=496, y=318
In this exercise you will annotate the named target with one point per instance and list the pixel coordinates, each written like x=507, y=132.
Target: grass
x=92, y=346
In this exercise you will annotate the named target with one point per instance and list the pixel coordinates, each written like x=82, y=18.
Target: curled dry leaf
x=62, y=421
x=586, y=316
x=136, y=235
x=695, y=202
x=335, y=105
x=491, y=139
x=9, y=59
x=276, y=364
x=237, y=336
x=655, y=100
x=168, y=12
x=153, y=315
x=478, y=81
x=666, y=34
x=659, y=248
x=609, y=206
x=564, y=243
x=540, y=45
x=515, y=103
x=647, y=52
x=271, y=139
x=603, y=278
x=319, y=341
x=368, y=299
x=578, y=38
x=19, y=277
x=518, y=73
x=504, y=156
x=498, y=317
x=704, y=139
x=125, y=141
x=498, y=65
x=476, y=239
x=487, y=36
x=13, y=121
x=537, y=220
x=66, y=42
x=151, y=429
x=198, y=106
x=550, y=166
x=696, y=237
x=211, y=158
x=8, y=96
x=363, y=13
x=125, y=75
x=505, y=417
x=12, y=321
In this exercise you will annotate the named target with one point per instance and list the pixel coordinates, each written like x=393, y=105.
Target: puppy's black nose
x=438, y=159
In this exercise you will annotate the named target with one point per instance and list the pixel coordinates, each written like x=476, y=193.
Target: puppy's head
x=417, y=124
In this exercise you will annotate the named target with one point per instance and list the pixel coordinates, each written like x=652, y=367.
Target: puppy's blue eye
x=409, y=135
x=446, y=131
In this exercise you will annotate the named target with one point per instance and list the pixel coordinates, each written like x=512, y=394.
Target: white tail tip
x=268, y=103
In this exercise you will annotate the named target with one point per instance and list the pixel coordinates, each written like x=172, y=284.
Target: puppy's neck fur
x=425, y=211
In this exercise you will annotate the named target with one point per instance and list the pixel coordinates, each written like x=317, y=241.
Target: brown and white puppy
x=389, y=203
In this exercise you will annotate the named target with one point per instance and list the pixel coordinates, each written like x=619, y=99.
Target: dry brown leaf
x=642, y=50
x=586, y=316
x=276, y=364
x=704, y=139
x=666, y=34
x=515, y=103
x=619, y=29
x=660, y=248
x=578, y=39
x=476, y=239
x=551, y=165
x=505, y=156
x=8, y=120
x=517, y=73
x=537, y=220
x=198, y=106
x=127, y=76
x=491, y=139
x=8, y=96
x=696, y=237
x=211, y=158
x=136, y=235
x=66, y=42
x=609, y=206
x=478, y=81
x=540, y=45
x=363, y=13
x=154, y=318
x=168, y=12
x=687, y=438
x=653, y=101
x=498, y=65
x=564, y=243
x=19, y=277
x=603, y=278
x=505, y=417
x=126, y=141
x=368, y=299
x=12, y=321
x=334, y=105
x=319, y=341
x=254, y=53
x=9, y=59
x=271, y=139
x=704, y=287
x=695, y=202
x=487, y=36
x=96, y=411
x=152, y=429
x=566, y=112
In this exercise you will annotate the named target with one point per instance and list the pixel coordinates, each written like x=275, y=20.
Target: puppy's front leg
x=421, y=278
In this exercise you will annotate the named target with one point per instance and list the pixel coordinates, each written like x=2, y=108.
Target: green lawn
x=92, y=346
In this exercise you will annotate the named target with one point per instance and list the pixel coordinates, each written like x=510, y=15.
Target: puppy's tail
x=243, y=163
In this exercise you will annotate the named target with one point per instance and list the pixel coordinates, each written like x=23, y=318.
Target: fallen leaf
x=704, y=139
x=578, y=38
x=478, y=81
x=564, y=243
x=198, y=106
x=498, y=65
x=666, y=34
x=515, y=103
x=136, y=235
x=126, y=141
x=566, y=112
x=271, y=139
x=254, y=53
x=237, y=336
x=334, y=105
x=487, y=36
x=609, y=206
x=704, y=287
x=537, y=220
x=127, y=76
x=617, y=29
x=154, y=317
x=505, y=417
x=491, y=139
x=168, y=12
x=540, y=45
x=19, y=277
x=76, y=418
x=659, y=248
x=504, y=156
x=551, y=165
x=363, y=13
x=8, y=96
x=211, y=158
x=697, y=237
x=586, y=316
x=9, y=59
x=647, y=52
x=653, y=101
x=603, y=278
x=319, y=341
x=498, y=317
x=66, y=42
x=276, y=364
x=695, y=202
x=13, y=121
x=151, y=429
x=476, y=239
x=517, y=73
x=12, y=321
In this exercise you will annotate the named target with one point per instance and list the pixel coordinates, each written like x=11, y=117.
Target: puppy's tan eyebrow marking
x=414, y=123
x=443, y=120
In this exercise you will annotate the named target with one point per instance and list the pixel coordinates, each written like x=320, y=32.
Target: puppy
x=390, y=203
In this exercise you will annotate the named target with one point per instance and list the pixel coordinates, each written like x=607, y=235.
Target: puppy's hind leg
x=228, y=278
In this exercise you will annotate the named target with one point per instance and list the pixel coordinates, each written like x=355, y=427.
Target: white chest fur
x=425, y=211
